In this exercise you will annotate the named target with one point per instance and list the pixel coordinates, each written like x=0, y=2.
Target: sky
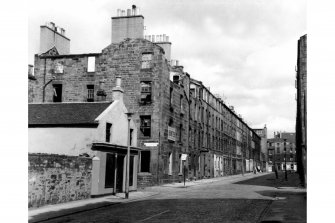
x=245, y=51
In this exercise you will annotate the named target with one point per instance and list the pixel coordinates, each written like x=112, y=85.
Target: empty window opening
x=146, y=60
x=145, y=125
x=91, y=64
x=108, y=131
x=145, y=91
x=57, y=97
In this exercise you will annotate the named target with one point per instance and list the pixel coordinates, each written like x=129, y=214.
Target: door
x=119, y=173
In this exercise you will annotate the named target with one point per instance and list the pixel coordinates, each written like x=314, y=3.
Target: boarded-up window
x=91, y=64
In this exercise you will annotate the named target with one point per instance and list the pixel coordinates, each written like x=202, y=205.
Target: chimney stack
x=127, y=24
x=117, y=90
x=52, y=35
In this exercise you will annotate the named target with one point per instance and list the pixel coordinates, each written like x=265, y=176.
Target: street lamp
x=128, y=155
x=285, y=160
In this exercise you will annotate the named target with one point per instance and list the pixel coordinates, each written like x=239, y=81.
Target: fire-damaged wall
x=56, y=179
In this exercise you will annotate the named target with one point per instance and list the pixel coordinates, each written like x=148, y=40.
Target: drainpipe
x=44, y=86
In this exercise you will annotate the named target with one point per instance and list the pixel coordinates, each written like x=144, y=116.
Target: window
x=58, y=68
x=108, y=131
x=57, y=97
x=146, y=60
x=145, y=91
x=91, y=64
x=278, y=150
x=170, y=163
x=90, y=93
x=180, y=132
x=145, y=125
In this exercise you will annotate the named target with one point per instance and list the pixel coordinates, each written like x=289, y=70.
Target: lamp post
x=128, y=156
x=285, y=160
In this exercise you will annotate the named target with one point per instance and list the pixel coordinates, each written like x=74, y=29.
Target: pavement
x=286, y=201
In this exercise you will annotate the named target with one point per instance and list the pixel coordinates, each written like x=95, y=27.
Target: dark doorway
x=145, y=161
x=131, y=171
x=110, y=174
x=119, y=173
x=57, y=93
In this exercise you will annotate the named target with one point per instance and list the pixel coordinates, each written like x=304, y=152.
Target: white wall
x=115, y=115
x=67, y=141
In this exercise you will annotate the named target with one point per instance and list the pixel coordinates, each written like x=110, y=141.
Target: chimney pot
x=128, y=12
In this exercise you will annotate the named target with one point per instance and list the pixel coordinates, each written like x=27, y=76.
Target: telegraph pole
x=128, y=156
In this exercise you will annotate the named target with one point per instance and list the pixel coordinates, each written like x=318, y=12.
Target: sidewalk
x=64, y=209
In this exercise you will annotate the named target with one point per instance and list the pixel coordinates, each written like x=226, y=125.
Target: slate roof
x=65, y=114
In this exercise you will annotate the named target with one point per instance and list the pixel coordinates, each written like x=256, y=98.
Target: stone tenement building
x=174, y=113
x=301, y=118
x=280, y=148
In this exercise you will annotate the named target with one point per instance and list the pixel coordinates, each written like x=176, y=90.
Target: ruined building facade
x=174, y=113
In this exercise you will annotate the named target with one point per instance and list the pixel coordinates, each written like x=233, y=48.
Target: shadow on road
x=173, y=210
x=270, y=180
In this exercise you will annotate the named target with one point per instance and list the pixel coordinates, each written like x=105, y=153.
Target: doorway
x=119, y=173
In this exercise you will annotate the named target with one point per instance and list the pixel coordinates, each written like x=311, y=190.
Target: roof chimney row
x=130, y=12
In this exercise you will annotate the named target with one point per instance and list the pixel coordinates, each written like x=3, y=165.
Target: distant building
x=282, y=148
x=301, y=118
x=263, y=133
x=174, y=113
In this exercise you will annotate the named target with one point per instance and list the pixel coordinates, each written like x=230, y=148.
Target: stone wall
x=56, y=179
x=144, y=180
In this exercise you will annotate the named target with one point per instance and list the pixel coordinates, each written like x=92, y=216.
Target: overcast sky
x=245, y=50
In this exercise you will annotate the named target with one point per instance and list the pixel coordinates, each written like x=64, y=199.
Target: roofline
x=44, y=26
x=72, y=125
x=70, y=55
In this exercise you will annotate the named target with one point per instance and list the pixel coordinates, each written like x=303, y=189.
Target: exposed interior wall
x=63, y=141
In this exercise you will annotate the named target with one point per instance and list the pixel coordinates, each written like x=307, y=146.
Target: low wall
x=144, y=180
x=56, y=179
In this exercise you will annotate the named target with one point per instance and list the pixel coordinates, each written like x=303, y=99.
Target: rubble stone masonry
x=56, y=179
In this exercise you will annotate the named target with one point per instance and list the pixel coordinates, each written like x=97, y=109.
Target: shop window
x=145, y=161
x=145, y=91
x=57, y=97
x=146, y=60
x=90, y=93
x=145, y=125
x=108, y=131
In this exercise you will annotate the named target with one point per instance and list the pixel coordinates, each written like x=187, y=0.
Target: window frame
x=143, y=128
